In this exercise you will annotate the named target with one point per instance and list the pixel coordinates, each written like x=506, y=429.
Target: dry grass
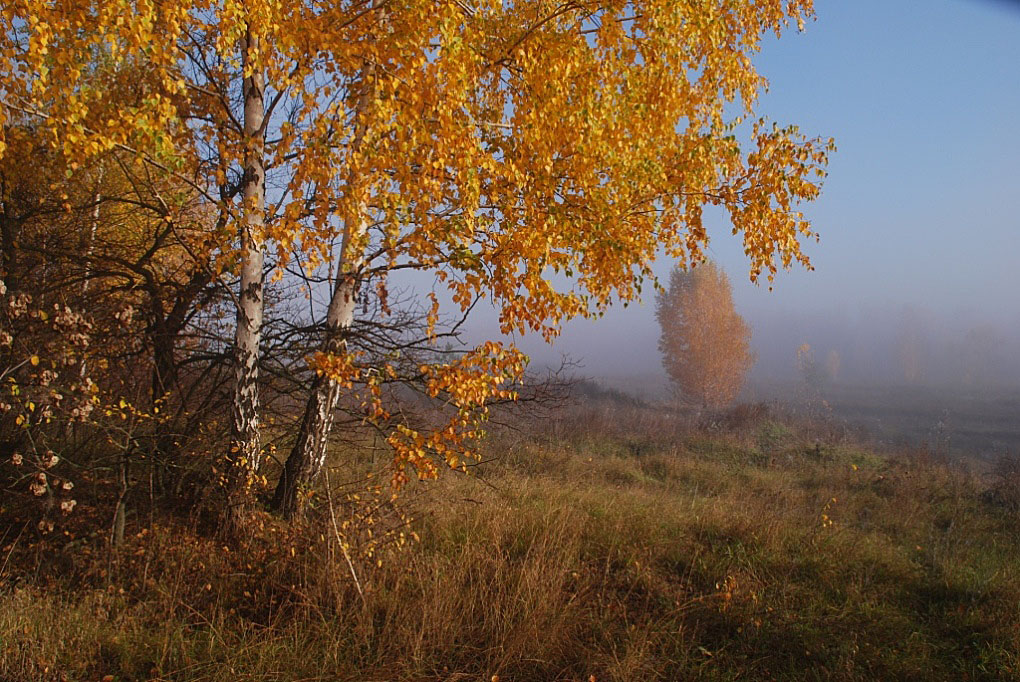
x=617, y=544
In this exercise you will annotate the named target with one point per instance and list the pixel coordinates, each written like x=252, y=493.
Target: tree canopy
x=492, y=144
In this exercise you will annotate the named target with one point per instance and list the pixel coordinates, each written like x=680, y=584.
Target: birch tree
x=491, y=144
x=704, y=341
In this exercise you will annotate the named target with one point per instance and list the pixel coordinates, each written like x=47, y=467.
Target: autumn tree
x=984, y=356
x=704, y=341
x=131, y=248
x=813, y=374
x=912, y=345
x=833, y=363
x=489, y=144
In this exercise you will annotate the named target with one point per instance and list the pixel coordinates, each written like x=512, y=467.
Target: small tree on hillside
x=704, y=341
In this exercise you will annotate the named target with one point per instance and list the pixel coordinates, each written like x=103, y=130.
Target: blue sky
x=923, y=194
x=922, y=203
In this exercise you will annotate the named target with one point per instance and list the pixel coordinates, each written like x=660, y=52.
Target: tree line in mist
x=905, y=345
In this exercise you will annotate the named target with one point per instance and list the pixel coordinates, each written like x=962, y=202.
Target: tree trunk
x=120, y=511
x=245, y=453
x=83, y=370
x=307, y=457
x=164, y=367
x=166, y=398
x=10, y=228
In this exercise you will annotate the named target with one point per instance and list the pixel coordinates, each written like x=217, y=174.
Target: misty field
x=608, y=541
x=977, y=425
x=958, y=423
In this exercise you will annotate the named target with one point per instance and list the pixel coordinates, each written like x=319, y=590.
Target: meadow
x=610, y=540
x=974, y=423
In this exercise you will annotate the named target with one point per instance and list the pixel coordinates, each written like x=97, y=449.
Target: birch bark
x=308, y=456
x=245, y=450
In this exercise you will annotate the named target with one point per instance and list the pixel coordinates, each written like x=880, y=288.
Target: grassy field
x=979, y=424
x=610, y=542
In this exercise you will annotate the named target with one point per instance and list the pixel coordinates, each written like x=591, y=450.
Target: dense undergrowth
x=613, y=542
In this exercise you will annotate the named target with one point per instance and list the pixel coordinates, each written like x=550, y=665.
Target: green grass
x=751, y=554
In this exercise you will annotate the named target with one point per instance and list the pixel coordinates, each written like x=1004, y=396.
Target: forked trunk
x=307, y=457
x=244, y=457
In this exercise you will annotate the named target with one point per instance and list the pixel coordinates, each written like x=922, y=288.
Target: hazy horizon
x=919, y=219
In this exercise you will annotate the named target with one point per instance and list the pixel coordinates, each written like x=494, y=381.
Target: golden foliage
x=501, y=142
x=704, y=341
x=497, y=145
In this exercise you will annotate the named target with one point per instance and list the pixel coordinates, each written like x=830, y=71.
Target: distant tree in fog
x=912, y=346
x=704, y=341
x=812, y=373
x=832, y=364
x=983, y=356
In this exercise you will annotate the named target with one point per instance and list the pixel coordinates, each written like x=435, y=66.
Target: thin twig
x=343, y=547
x=13, y=545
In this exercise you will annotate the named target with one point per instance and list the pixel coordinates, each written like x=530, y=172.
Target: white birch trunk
x=245, y=452
x=308, y=456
